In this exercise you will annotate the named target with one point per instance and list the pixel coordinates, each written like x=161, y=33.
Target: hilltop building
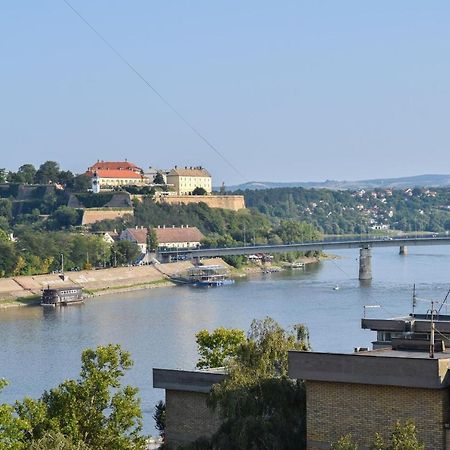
x=107, y=175
x=186, y=179
x=168, y=237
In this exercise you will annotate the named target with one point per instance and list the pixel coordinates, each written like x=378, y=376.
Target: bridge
x=365, y=249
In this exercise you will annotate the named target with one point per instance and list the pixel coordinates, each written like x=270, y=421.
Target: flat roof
x=185, y=380
x=379, y=367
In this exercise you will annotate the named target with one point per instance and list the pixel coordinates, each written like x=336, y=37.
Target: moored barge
x=62, y=296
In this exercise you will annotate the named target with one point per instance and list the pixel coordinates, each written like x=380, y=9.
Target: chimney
x=136, y=227
x=187, y=226
x=182, y=226
x=173, y=226
x=164, y=226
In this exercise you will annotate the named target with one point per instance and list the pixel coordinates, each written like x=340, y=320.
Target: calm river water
x=41, y=347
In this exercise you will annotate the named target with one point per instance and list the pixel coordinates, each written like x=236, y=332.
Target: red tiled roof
x=114, y=174
x=178, y=234
x=168, y=235
x=139, y=234
x=190, y=172
x=114, y=165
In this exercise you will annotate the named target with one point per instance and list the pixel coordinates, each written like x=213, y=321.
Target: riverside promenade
x=25, y=289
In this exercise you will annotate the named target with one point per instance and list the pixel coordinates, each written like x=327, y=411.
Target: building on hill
x=186, y=179
x=107, y=175
x=138, y=235
x=179, y=237
x=168, y=237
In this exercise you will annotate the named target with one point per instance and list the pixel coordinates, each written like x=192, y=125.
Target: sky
x=285, y=91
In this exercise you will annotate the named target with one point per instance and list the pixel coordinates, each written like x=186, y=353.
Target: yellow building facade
x=185, y=180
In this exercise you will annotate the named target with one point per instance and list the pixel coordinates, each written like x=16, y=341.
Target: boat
x=296, y=265
x=204, y=276
x=62, y=296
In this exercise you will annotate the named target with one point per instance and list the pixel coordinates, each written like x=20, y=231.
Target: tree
x=159, y=179
x=199, y=191
x=125, y=252
x=56, y=441
x=65, y=217
x=152, y=240
x=345, y=443
x=217, y=347
x=159, y=417
x=3, y=175
x=403, y=437
x=260, y=406
x=12, y=428
x=81, y=183
x=94, y=410
x=295, y=231
x=66, y=178
x=27, y=173
x=8, y=258
x=6, y=208
x=48, y=172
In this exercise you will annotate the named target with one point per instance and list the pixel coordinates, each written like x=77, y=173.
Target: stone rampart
x=232, y=202
x=96, y=215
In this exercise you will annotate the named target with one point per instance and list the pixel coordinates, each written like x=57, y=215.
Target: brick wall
x=335, y=409
x=188, y=418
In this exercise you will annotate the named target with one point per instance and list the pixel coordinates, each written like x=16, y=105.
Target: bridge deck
x=305, y=247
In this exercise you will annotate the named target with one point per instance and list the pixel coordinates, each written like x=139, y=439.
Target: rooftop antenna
x=432, y=311
x=414, y=299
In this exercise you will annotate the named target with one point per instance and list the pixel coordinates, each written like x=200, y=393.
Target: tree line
x=344, y=211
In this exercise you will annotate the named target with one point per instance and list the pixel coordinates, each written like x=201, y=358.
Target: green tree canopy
x=48, y=172
x=94, y=412
x=217, y=347
x=199, y=191
x=124, y=252
x=158, y=179
x=259, y=405
x=152, y=240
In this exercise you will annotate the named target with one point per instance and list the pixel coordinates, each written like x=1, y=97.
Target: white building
x=183, y=237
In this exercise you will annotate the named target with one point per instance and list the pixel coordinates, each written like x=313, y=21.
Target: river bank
x=26, y=290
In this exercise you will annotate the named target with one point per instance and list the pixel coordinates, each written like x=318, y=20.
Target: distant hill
x=402, y=182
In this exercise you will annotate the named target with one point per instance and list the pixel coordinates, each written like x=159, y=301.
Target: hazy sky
x=287, y=90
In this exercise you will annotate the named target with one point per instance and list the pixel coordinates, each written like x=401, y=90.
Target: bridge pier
x=365, y=263
x=403, y=250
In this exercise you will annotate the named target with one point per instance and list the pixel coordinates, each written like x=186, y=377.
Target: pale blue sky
x=288, y=90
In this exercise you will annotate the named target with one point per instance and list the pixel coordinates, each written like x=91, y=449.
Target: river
x=42, y=347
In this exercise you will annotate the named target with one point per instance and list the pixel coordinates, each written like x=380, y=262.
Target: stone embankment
x=24, y=289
